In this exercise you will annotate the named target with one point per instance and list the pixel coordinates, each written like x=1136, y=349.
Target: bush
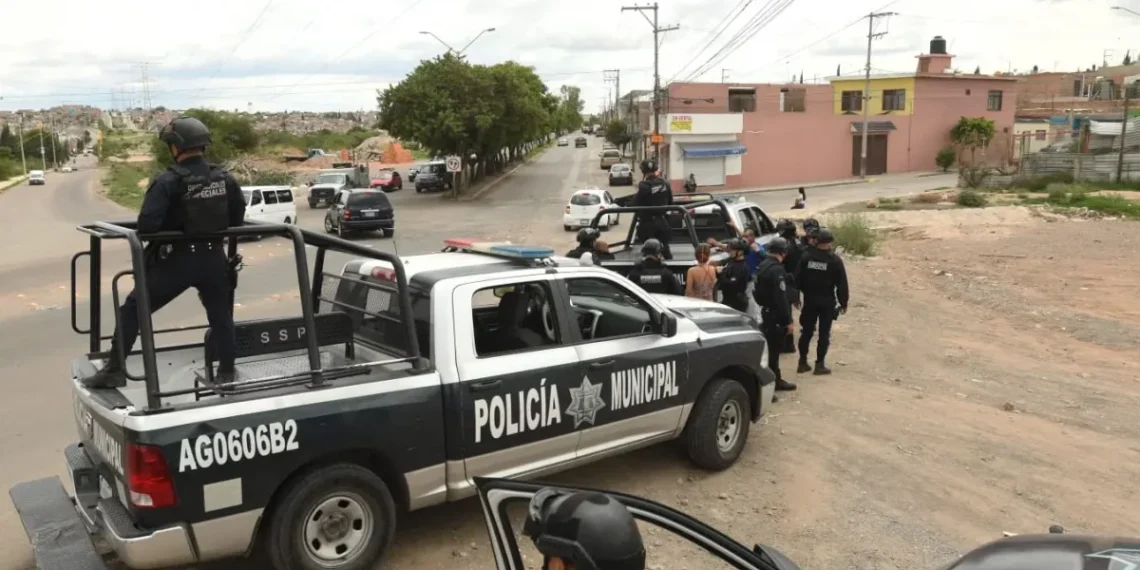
x=927, y=198
x=945, y=158
x=9, y=169
x=1040, y=183
x=268, y=178
x=854, y=234
x=122, y=182
x=971, y=199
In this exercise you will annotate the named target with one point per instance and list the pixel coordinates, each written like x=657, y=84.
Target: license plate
x=104, y=488
x=584, y=222
x=369, y=214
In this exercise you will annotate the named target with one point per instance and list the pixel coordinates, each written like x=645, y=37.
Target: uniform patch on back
x=817, y=265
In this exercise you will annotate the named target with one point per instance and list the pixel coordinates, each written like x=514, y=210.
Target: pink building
x=747, y=135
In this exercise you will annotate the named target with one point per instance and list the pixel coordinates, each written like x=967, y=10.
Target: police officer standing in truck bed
x=653, y=190
x=822, y=280
x=192, y=197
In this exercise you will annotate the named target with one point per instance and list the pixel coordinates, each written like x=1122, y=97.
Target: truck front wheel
x=718, y=427
x=340, y=517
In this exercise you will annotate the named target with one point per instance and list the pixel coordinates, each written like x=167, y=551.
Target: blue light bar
x=500, y=249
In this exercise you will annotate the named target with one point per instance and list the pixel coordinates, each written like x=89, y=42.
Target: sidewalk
x=904, y=179
x=12, y=182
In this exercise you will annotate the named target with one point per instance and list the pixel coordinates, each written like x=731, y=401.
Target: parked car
x=433, y=176
x=412, y=172
x=273, y=204
x=609, y=158
x=36, y=178
x=360, y=211
x=621, y=175
x=388, y=180
x=563, y=142
x=580, y=142
x=584, y=205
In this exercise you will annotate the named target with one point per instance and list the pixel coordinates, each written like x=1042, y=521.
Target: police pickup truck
x=402, y=380
x=693, y=219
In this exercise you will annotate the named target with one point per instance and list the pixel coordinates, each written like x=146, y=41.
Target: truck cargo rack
x=313, y=371
x=676, y=209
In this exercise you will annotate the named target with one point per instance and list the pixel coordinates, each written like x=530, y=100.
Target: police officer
x=586, y=239
x=771, y=293
x=732, y=281
x=652, y=274
x=653, y=191
x=822, y=279
x=811, y=226
x=195, y=198
x=787, y=230
x=583, y=531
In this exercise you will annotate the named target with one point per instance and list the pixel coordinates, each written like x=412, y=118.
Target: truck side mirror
x=667, y=325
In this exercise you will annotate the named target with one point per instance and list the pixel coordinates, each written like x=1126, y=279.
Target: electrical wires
x=767, y=13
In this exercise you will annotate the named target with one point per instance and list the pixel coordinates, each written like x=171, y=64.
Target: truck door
x=516, y=378
x=642, y=374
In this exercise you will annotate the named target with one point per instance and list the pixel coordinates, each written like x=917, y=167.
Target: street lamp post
x=453, y=50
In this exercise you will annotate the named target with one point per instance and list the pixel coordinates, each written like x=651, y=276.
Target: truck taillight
x=347, y=216
x=148, y=478
x=384, y=273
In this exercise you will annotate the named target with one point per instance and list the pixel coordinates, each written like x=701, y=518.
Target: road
x=37, y=238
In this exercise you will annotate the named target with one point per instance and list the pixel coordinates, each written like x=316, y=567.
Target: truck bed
x=183, y=369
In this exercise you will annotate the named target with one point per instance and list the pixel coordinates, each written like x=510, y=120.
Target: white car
x=67, y=169
x=272, y=204
x=584, y=205
x=563, y=142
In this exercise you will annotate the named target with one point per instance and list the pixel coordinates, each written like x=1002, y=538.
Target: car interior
x=520, y=317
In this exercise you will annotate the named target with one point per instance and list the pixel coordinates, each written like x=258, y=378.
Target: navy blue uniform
x=654, y=191
x=172, y=270
x=733, y=284
x=822, y=280
x=655, y=277
x=771, y=293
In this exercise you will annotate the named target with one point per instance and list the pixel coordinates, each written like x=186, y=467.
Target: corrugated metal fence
x=1092, y=167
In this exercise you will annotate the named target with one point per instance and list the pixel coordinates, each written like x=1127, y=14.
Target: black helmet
x=736, y=244
x=186, y=133
x=591, y=531
x=824, y=235
x=651, y=247
x=649, y=166
x=811, y=225
x=777, y=245
x=587, y=236
x=785, y=227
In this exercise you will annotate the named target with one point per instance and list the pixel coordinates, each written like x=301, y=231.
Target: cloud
x=305, y=56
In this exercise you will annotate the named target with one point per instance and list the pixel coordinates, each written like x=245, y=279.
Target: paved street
x=37, y=239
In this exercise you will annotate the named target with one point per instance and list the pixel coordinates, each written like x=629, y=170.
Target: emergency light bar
x=503, y=249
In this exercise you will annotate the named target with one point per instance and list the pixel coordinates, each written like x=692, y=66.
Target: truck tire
x=718, y=427
x=338, y=517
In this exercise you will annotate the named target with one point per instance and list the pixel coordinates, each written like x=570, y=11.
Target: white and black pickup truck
x=424, y=372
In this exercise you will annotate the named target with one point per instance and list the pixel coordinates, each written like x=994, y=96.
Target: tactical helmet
x=589, y=530
x=186, y=133
x=777, y=245
x=651, y=247
x=649, y=166
x=785, y=227
x=587, y=236
x=736, y=244
x=824, y=235
x=811, y=225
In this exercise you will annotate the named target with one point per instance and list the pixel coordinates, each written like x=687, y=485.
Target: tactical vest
x=205, y=206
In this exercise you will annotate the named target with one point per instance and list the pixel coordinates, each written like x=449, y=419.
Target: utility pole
x=871, y=35
x=614, y=76
x=1123, y=131
x=23, y=159
x=54, y=141
x=724, y=76
x=43, y=156
x=657, y=30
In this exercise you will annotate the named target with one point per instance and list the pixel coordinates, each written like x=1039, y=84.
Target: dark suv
x=360, y=211
x=580, y=142
x=433, y=176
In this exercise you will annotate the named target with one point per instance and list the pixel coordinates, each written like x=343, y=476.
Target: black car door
x=503, y=500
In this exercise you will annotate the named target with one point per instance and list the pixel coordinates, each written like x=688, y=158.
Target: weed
x=891, y=206
x=927, y=198
x=854, y=234
x=971, y=199
x=122, y=182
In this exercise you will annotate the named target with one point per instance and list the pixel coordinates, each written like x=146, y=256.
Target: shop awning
x=712, y=149
x=873, y=127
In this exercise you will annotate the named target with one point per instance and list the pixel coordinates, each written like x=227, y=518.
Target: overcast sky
x=332, y=55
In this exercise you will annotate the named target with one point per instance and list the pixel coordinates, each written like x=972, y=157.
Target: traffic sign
x=454, y=164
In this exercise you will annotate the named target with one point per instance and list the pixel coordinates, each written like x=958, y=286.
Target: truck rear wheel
x=718, y=427
x=338, y=517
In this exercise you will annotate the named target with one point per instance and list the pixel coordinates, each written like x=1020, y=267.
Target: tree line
x=10, y=142
x=488, y=115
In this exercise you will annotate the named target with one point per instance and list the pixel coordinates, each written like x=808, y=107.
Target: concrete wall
x=941, y=102
x=1091, y=167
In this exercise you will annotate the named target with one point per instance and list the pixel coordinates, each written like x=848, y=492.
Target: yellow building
x=890, y=95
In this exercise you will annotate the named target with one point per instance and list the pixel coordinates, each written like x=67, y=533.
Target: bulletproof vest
x=764, y=284
x=205, y=206
x=816, y=278
x=658, y=191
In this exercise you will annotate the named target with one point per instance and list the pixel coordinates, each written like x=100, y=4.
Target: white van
x=272, y=204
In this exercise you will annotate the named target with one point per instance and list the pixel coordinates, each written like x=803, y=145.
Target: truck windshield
x=330, y=179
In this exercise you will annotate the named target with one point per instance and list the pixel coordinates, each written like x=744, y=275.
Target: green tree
x=945, y=158
x=8, y=138
x=617, y=133
x=231, y=134
x=570, y=117
x=972, y=133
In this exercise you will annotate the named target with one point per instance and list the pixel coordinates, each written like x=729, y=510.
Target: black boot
x=784, y=386
x=821, y=369
x=804, y=366
x=110, y=376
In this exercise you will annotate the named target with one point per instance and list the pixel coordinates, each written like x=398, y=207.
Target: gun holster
x=233, y=267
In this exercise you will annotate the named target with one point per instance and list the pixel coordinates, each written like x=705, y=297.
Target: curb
x=13, y=182
x=495, y=182
x=797, y=187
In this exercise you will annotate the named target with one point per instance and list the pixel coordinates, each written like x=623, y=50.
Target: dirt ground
x=985, y=381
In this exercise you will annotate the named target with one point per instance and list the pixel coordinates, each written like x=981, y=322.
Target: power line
x=812, y=44
x=657, y=31
x=726, y=22
x=241, y=40
x=763, y=17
